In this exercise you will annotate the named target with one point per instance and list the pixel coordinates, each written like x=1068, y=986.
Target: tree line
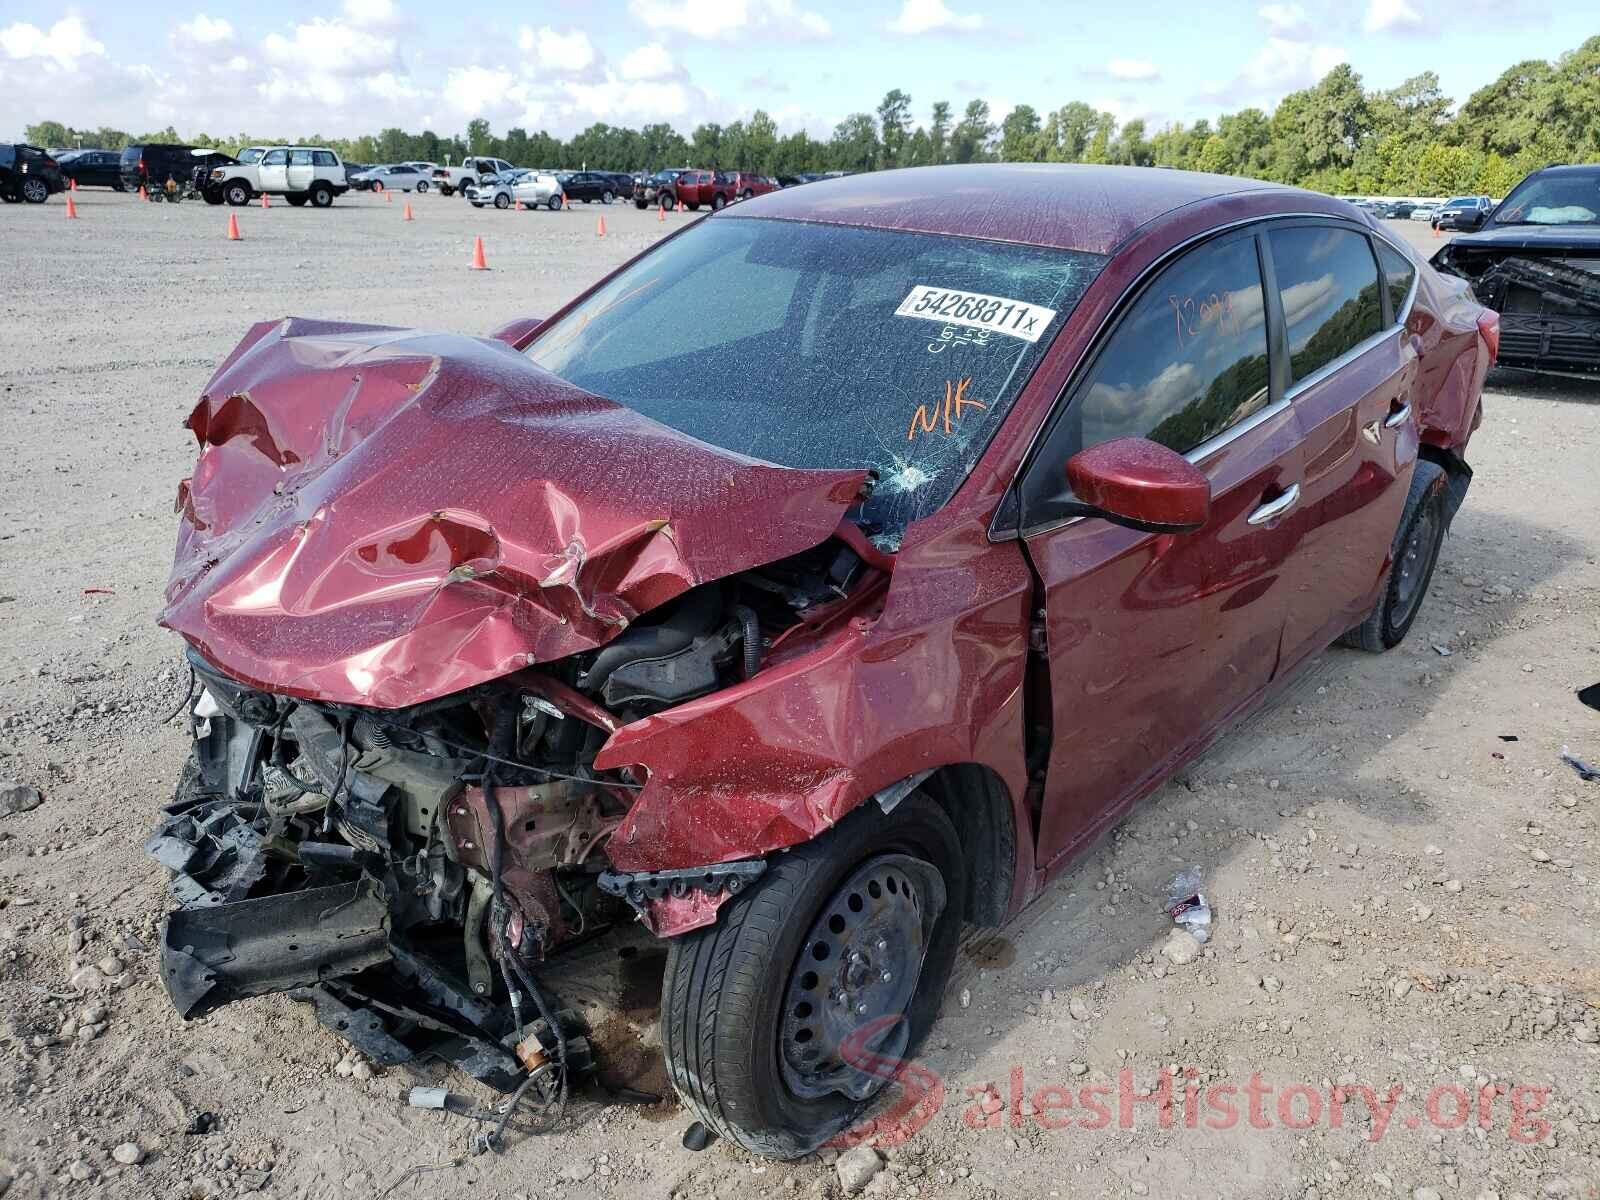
x=1335, y=136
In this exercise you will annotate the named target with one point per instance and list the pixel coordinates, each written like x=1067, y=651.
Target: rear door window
x=299, y=158
x=1328, y=280
x=1187, y=362
x=1398, y=275
x=324, y=158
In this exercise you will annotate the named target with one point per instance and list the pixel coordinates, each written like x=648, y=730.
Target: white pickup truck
x=473, y=169
x=297, y=173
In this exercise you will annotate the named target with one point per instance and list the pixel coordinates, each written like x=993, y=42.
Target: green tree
x=854, y=145
x=894, y=123
x=478, y=136
x=1019, y=135
x=939, y=132
x=969, y=140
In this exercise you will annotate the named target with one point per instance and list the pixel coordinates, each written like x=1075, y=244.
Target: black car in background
x=1463, y=212
x=1536, y=262
x=646, y=189
x=151, y=164
x=590, y=185
x=93, y=168
x=28, y=173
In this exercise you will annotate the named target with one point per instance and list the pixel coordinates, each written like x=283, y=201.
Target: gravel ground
x=1401, y=866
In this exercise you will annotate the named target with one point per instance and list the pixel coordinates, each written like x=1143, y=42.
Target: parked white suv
x=297, y=173
x=473, y=169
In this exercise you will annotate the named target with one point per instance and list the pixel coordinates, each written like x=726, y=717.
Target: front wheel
x=718, y=202
x=501, y=200
x=237, y=193
x=665, y=201
x=852, y=934
x=446, y=190
x=746, y=194
x=1412, y=558
x=422, y=185
x=605, y=197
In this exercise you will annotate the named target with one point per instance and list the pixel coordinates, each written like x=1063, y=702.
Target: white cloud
x=1300, y=300
x=1284, y=63
x=933, y=16
x=371, y=14
x=1385, y=15
x=1284, y=18
x=557, y=51
x=65, y=44
x=330, y=47
x=713, y=20
x=1132, y=69
x=648, y=62
x=476, y=91
x=203, y=31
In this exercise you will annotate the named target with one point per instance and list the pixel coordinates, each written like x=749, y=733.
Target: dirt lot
x=1402, y=867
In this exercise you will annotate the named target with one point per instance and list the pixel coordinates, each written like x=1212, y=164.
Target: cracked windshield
x=812, y=345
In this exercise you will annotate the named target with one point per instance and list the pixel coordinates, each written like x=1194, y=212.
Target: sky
x=292, y=69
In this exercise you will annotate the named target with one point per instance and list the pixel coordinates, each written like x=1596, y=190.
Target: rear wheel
x=554, y=203
x=718, y=202
x=605, y=197
x=321, y=196
x=665, y=201
x=1412, y=559
x=35, y=191
x=857, y=928
x=746, y=194
x=296, y=198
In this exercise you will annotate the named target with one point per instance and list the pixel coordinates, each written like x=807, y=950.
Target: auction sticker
x=977, y=311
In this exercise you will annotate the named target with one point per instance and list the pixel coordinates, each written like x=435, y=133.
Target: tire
x=718, y=202
x=727, y=1009
x=1412, y=558
x=606, y=197
x=693, y=206
x=35, y=191
x=375, y=185
x=321, y=196
x=295, y=198
x=422, y=185
x=119, y=186
x=213, y=195
x=641, y=205
x=445, y=189
x=746, y=194
x=501, y=200
x=236, y=192
x=554, y=203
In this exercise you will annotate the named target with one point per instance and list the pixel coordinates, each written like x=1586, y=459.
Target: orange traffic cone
x=388, y=196
x=264, y=203
x=661, y=213
x=233, y=229
x=407, y=215
x=680, y=205
x=72, y=185
x=478, y=261
x=600, y=229
x=565, y=203
x=143, y=195
x=72, y=209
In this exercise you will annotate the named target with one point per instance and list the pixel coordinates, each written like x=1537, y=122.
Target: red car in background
x=1028, y=479
x=747, y=185
x=714, y=189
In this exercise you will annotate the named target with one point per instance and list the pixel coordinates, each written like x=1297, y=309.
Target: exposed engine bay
x=1548, y=300
x=405, y=870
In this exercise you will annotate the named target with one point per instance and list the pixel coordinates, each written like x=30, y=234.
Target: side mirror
x=1135, y=482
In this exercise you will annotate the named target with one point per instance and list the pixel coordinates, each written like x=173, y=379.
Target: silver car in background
x=531, y=188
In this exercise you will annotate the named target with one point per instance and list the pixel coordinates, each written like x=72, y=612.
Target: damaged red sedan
x=805, y=626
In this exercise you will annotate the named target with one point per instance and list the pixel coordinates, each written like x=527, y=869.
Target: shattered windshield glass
x=826, y=346
x=1554, y=198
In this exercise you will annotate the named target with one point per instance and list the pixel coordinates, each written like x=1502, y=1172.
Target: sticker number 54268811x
x=977, y=311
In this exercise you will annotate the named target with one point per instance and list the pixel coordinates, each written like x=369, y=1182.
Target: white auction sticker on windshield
x=977, y=311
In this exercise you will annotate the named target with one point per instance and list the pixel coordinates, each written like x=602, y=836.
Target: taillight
x=1489, y=331
x=141, y=166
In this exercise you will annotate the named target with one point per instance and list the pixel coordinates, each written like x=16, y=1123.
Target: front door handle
x=1398, y=416
x=1276, y=508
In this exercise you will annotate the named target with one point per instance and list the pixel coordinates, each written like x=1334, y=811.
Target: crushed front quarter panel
x=381, y=517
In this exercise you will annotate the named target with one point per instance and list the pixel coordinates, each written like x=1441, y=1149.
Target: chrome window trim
x=1207, y=448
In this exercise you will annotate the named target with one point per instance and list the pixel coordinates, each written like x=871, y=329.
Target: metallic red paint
x=381, y=517
x=1155, y=640
x=1139, y=481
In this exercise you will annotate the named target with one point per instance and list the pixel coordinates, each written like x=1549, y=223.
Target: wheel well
x=1457, y=474
x=977, y=802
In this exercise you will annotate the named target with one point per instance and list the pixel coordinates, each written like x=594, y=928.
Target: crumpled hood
x=1584, y=238
x=380, y=516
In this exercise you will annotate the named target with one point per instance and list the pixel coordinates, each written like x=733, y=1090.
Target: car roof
x=1065, y=206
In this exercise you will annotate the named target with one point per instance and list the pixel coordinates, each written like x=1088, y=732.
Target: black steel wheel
x=841, y=949
x=1413, y=556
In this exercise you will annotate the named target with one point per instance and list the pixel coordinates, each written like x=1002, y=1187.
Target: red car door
x=1154, y=639
x=1352, y=367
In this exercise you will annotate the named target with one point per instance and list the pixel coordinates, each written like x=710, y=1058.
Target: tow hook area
x=638, y=888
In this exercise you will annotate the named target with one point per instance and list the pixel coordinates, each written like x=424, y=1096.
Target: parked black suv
x=151, y=164
x=28, y=173
x=93, y=168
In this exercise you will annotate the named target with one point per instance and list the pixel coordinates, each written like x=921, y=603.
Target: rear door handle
x=1277, y=507
x=1398, y=416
